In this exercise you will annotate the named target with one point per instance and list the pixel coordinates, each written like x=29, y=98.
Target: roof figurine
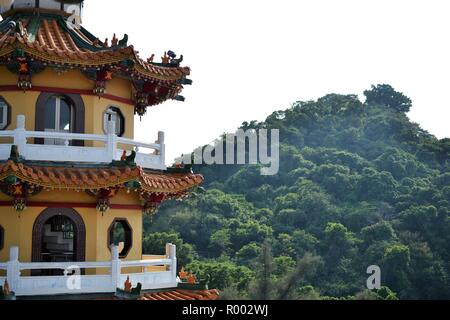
x=46, y=40
x=74, y=182
x=128, y=286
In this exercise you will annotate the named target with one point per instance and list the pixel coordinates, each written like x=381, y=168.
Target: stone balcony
x=152, y=272
x=104, y=150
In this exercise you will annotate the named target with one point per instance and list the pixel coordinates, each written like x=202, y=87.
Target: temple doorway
x=59, y=235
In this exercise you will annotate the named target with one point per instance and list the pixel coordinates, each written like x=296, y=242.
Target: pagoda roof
x=46, y=36
x=97, y=178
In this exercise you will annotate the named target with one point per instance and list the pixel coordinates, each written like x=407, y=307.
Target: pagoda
x=74, y=183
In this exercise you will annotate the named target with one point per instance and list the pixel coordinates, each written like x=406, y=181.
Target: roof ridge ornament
x=14, y=154
x=65, y=47
x=124, y=41
x=174, y=61
x=126, y=161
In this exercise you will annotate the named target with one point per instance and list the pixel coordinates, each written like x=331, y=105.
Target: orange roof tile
x=95, y=178
x=49, y=39
x=175, y=294
x=182, y=295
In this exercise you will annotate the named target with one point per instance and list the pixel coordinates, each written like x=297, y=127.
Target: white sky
x=252, y=57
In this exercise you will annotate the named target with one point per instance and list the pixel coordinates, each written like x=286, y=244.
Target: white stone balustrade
x=83, y=284
x=153, y=159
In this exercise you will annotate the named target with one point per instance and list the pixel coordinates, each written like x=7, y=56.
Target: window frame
x=6, y=113
x=78, y=120
x=119, y=132
x=57, y=124
x=128, y=236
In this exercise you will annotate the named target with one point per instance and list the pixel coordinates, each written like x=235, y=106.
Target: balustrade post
x=13, y=269
x=171, y=253
x=162, y=151
x=111, y=144
x=115, y=267
x=20, y=139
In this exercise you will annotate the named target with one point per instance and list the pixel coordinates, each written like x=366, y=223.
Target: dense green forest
x=359, y=185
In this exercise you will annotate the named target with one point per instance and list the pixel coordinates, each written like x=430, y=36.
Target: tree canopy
x=385, y=95
x=359, y=185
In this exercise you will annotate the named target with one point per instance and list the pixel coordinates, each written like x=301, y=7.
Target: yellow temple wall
x=7, y=77
x=25, y=103
x=21, y=104
x=18, y=228
x=71, y=79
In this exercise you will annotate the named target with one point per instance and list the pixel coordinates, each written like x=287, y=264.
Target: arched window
x=58, y=117
x=120, y=234
x=5, y=114
x=59, y=113
x=114, y=114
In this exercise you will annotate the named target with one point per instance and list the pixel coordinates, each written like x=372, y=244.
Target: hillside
x=359, y=185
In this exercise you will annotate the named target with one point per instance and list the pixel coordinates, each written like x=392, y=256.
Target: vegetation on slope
x=359, y=185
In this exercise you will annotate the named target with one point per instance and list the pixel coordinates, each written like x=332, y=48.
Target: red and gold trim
x=53, y=177
x=69, y=91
